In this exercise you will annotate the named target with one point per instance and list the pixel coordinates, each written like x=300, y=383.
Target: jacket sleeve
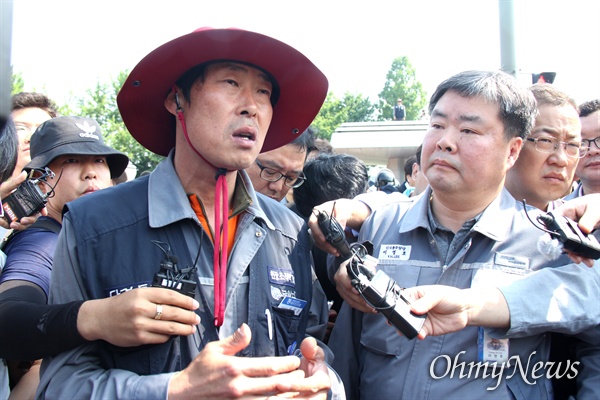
x=558, y=301
x=78, y=373
x=587, y=352
x=345, y=344
x=31, y=329
x=319, y=313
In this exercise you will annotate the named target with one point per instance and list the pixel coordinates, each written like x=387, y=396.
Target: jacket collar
x=168, y=202
x=493, y=222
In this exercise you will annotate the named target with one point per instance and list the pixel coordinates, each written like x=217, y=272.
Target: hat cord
x=221, y=242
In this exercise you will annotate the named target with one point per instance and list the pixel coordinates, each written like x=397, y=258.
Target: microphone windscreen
x=550, y=248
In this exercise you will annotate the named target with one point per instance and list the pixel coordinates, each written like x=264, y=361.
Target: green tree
x=100, y=103
x=17, y=83
x=334, y=112
x=401, y=83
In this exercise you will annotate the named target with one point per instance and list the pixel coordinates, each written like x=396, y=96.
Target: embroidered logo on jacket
x=110, y=292
x=281, y=276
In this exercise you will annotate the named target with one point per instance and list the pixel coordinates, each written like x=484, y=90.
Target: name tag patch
x=511, y=261
x=394, y=252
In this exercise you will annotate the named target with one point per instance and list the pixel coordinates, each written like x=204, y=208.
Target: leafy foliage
x=17, y=83
x=100, y=103
x=401, y=83
x=334, y=112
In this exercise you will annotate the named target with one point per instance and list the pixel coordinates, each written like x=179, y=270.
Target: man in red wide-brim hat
x=210, y=101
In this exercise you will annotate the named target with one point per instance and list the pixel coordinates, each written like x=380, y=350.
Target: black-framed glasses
x=272, y=175
x=588, y=143
x=550, y=145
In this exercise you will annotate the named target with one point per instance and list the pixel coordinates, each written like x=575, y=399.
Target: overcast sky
x=64, y=47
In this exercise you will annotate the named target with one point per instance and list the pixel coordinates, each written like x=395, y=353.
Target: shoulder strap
x=9, y=234
x=48, y=224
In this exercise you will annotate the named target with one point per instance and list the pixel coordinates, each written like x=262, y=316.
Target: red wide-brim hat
x=302, y=86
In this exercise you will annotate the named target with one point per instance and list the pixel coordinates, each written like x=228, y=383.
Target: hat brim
x=303, y=87
x=117, y=161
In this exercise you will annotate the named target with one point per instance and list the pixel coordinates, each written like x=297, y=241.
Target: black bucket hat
x=72, y=135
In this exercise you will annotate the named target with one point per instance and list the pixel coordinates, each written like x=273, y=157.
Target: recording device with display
x=378, y=289
x=27, y=199
x=568, y=233
x=171, y=276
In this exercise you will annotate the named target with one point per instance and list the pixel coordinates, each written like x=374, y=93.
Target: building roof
x=375, y=143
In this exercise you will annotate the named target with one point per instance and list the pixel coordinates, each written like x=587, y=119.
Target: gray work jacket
x=500, y=250
x=107, y=246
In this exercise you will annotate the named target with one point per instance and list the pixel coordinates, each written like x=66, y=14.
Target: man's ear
x=515, y=146
x=415, y=171
x=170, y=103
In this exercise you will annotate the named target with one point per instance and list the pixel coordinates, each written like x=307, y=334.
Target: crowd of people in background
x=87, y=308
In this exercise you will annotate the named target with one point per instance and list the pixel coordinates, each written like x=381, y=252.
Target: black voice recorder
x=378, y=289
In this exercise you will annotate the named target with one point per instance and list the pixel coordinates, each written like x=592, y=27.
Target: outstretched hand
x=217, y=373
x=316, y=383
x=348, y=292
x=584, y=210
x=347, y=212
x=446, y=307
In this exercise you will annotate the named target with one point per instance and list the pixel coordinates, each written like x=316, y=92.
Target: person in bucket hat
x=79, y=136
x=73, y=149
x=210, y=101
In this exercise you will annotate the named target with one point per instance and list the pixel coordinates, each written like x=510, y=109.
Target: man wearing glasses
x=588, y=169
x=29, y=110
x=465, y=231
x=277, y=171
x=545, y=169
x=542, y=174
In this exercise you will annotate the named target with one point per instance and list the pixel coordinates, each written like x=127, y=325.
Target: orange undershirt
x=232, y=222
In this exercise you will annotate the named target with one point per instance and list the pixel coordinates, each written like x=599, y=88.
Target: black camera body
x=568, y=233
x=378, y=289
x=170, y=276
x=27, y=200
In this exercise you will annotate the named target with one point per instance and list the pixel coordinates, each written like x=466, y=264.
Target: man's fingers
x=310, y=350
x=236, y=342
x=577, y=259
x=169, y=297
x=420, y=304
x=174, y=314
x=588, y=222
x=271, y=383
